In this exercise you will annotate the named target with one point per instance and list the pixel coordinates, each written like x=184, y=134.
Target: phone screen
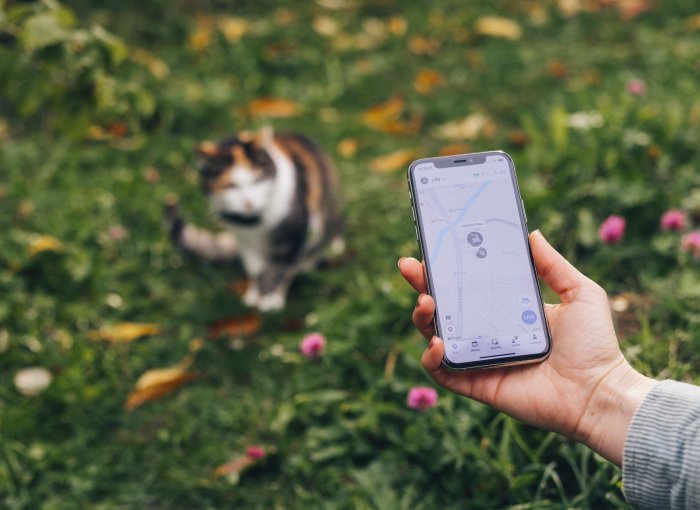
x=474, y=240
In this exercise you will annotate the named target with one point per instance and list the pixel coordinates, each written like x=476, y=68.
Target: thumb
x=557, y=272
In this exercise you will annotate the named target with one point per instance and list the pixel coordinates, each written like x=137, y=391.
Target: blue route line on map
x=445, y=229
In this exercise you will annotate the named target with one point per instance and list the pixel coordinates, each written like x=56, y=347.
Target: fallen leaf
x=557, y=68
x=233, y=28
x=630, y=9
x=347, y=147
x=397, y=26
x=156, y=383
x=118, y=129
x=426, y=80
x=386, y=117
x=201, y=38
x=235, y=467
x=124, y=332
x=325, y=26
x=518, y=137
x=420, y=45
x=39, y=243
x=273, y=107
x=467, y=128
x=496, y=26
x=393, y=161
x=693, y=23
x=238, y=287
x=158, y=68
x=240, y=325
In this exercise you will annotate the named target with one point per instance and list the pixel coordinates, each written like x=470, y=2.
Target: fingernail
x=400, y=260
x=420, y=298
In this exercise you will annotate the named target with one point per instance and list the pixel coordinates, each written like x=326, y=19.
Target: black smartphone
x=472, y=232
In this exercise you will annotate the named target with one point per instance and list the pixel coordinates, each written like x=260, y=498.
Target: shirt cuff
x=661, y=457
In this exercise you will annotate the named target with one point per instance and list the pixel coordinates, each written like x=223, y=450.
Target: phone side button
x=522, y=206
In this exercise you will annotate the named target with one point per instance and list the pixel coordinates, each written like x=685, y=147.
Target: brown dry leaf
x=124, y=332
x=426, y=80
x=347, y=147
x=235, y=467
x=239, y=325
x=518, y=137
x=557, y=68
x=39, y=243
x=238, y=287
x=420, y=45
x=496, y=26
x=273, y=107
x=467, y=128
x=393, y=161
x=454, y=149
x=157, y=383
x=233, y=28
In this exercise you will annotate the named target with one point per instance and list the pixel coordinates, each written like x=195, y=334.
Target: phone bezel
x=465, y=160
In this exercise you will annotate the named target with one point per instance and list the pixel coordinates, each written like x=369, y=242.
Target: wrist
x=608, y=415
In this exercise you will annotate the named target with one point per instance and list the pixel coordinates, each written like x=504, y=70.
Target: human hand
x=585, y=390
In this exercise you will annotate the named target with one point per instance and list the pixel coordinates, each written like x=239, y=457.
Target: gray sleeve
x=661, y=459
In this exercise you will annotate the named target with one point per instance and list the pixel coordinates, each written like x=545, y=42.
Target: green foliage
x=101, y=106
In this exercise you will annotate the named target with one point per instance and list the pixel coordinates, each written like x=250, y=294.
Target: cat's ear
x=207, y=149
x=266, y=136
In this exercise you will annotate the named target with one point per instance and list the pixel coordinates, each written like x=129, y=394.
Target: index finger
x=413, y=272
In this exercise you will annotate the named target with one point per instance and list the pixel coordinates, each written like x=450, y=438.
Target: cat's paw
x=173, y=219
x=270, y=302
x=252, y=296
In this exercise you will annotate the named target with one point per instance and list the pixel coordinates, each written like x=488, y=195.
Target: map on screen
x=478, y=261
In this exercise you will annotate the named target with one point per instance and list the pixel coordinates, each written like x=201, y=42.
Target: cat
x=278, y=197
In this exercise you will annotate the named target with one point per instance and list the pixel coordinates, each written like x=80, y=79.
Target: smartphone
x=472, y=232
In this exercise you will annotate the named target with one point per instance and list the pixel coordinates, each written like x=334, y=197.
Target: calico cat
x=277, y=195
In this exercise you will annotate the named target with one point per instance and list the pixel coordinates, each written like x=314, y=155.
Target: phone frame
x=465, y=160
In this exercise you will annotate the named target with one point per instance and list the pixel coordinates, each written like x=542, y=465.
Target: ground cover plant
x=166, y=392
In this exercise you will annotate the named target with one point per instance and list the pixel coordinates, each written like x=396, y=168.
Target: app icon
x=448, y=317
x=529, y=317
x=494, y=341
x=525, y=300
x=475, y=343
x=450, y=329
x=481, y=253
x=424, y=180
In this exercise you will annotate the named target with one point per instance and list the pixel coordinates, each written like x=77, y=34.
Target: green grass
x=337, y=429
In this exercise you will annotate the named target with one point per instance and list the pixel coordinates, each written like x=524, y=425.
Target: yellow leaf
x=325, y=26
x=158, y=68
x=420, y=45
x=40, y=243
x=273, y=107
x=397, y=26
x=201, y=38
x=347, y=147
x=464, y=129
x=496, y=26
x=693, y=23
x=393, y=161
x=378, y=116
x=157, y=383
x=233, y=28
x=426, y=80
x=124, y=332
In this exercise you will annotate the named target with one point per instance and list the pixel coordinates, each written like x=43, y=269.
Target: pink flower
x=313, y=345
x=636, y=87
x=116, y=232
x=691, y=242
x=612, y=229
x=673, y=219
x=255, y=452
x=422, y=397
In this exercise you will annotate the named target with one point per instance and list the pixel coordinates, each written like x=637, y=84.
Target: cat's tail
x=214, y=246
